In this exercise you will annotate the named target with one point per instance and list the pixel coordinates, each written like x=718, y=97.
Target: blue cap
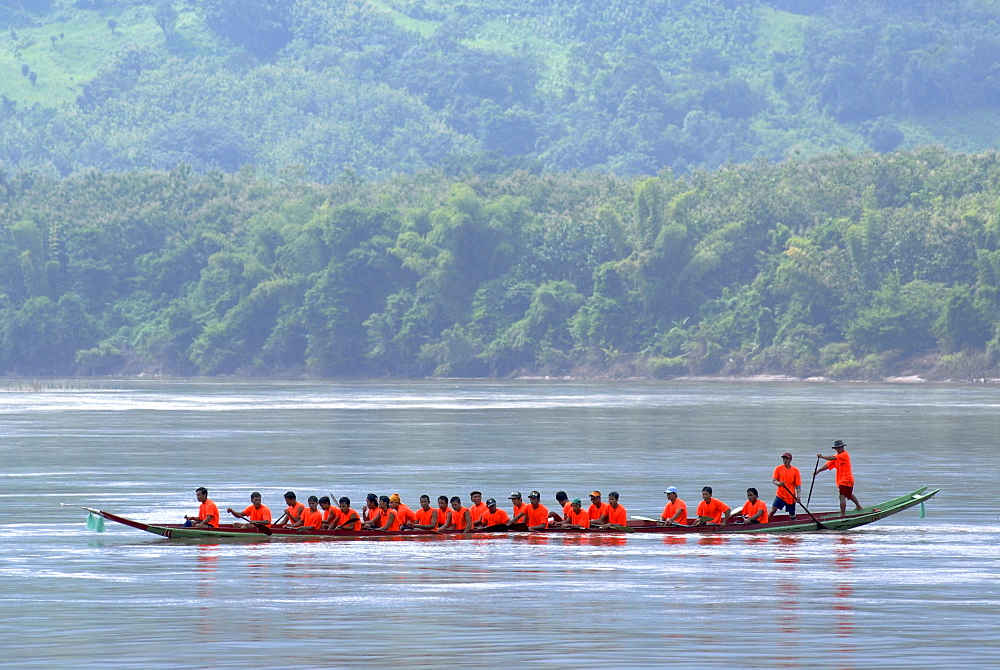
x=671, y=489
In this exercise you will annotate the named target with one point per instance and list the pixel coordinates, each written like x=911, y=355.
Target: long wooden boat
x=780, y=524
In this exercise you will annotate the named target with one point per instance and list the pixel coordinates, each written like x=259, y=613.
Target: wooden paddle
x=810, y=496
x=259, y=526
x=619, y=527
x=818, y=523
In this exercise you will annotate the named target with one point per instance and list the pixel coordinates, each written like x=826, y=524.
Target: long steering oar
x=810, y=496
x=806, y=509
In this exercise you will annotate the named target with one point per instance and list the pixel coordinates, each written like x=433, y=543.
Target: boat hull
x=803, y=523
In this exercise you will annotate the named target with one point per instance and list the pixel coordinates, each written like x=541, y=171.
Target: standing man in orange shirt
x=785, y=496
x=537, y=515
x=754, y=509
x=675, y=512
x=478, y=508
x=712, y=510
x=841, y=462
x=255, y=513
x=208, y=513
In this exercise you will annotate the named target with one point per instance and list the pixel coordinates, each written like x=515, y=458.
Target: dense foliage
x=320, y=89
x=838, y=265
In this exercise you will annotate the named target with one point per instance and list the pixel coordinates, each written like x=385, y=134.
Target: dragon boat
x=804, y=522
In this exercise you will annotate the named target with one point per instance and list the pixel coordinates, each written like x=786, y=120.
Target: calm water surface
x=904, y=592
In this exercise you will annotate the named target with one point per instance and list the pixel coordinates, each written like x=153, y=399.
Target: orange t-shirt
x=405, y=514
x=617, y=516
x=311, y=518
x=443, y=515
x=749, y=509
x=494, y=518
x=791, y=477
x=458, y=517
x=517, y=510
x=595, y=512
x=478, y=511
x=208, y=508
x=671, y=509
x=423, y=516
x=842, y=463
x=580, y=518
x=295, y=511
x=715, y=509
x=395, y=522
x=342, y=518
x=378, y=516
x=254, y=514
x=538, y=517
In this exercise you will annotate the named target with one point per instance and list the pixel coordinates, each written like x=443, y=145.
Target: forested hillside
x=841, y=265
x=421, y=187
x=321, y=89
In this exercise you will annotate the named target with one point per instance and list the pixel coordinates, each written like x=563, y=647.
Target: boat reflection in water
x=843, y=602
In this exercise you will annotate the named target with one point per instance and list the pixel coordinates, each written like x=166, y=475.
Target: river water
x=907, y=591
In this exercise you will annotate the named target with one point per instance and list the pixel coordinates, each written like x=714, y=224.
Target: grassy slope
x=86, y=46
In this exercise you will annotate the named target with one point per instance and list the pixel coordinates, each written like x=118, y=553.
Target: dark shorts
x=846, y=491
x=781, y=504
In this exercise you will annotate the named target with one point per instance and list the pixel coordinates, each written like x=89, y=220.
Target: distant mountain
x=357, y=89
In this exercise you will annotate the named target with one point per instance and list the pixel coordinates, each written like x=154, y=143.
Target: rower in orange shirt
x=405, y=514
x=255, y=513
x=562, y=500
x=494, y=516
x=311, y=519
x=443, y=511
x=460, y=518
x=330, y=513
x=478, y=508
x=675, y=512
x=208, y=512
x=786, y=496
x=347, y=518
x=536, y=515
x=385, y=519
x=616, y=514
x=597, y=509
x=576, y=518
x=426, y=517
x=712, y=510
x=370, y=508
x=754, y=509
x=293, y=511
x=520, y=510
x=841, y=462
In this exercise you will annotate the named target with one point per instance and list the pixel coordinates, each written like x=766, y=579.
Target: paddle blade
x=95, y=523
x=619, y=527
x=923, y=512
